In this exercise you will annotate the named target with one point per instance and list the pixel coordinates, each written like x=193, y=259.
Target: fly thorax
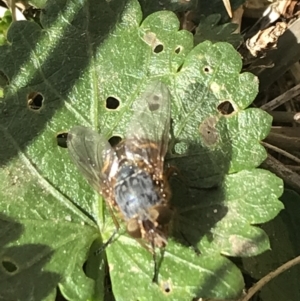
x=135, y=192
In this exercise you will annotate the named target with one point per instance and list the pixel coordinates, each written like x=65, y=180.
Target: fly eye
x=133, y=228
x=161, y=214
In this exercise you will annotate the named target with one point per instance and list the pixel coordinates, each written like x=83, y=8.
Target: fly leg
x=157, y=263
x=112, y=237
x=170, y=171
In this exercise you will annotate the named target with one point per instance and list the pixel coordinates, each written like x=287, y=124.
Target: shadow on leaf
x=22, y=274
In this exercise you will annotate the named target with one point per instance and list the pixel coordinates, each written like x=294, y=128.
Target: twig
x=287, y=117
x=228, y=7
x=289, y=177
x=293, y=167
x=281, y=151
x=281, y=99
x=12, y=5
x=263, y=281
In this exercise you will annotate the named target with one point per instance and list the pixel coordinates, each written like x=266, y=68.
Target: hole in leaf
x=166, y=287
x=114, y=140
x=35, y=101
x=9, y=266
x=178, y=49
x=151, y=39
x=208, y=131
x=84, y=267
x=179, y=68
x=61, y=139
x=207, y=69
x=225, y=108
x=159, y=48
x=112, y=103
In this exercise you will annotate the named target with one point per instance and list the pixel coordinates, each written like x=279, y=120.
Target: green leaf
x=208, y=29
x=5, y=22
x=55, y=236
x=226, y=215
x=209, y=143
x=209, y=7
x=149, y=7
x=284, y=238
x=62, y=76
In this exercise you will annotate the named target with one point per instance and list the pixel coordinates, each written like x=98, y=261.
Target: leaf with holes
x=87, y=67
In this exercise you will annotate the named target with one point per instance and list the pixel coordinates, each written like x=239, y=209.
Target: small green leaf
x=208, y=29
x=5, y=22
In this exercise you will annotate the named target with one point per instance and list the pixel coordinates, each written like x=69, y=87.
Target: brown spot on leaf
x=208, y=131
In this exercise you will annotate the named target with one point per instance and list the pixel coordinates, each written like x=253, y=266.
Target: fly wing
x=92, y=154
x=148, y=131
